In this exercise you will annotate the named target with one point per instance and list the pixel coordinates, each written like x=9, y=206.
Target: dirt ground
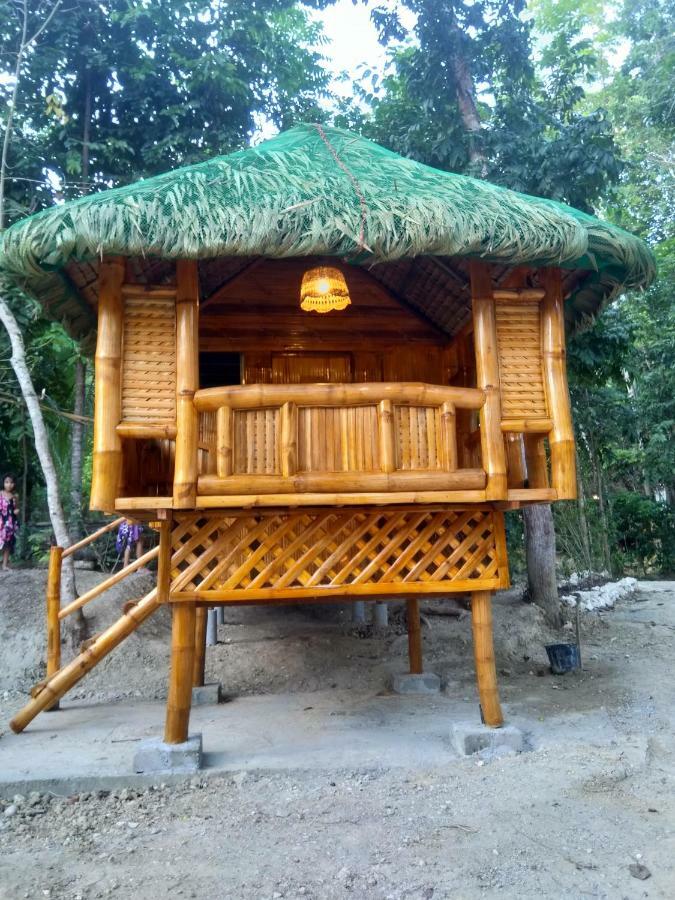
x=589, y=811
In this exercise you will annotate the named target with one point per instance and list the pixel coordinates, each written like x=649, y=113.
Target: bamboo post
x=487, y=378
x=449, y=436
x=107, y=456
x=414, y=636
x=484, y=654
x=199, y=659
x=224, y=448
x=535, y=457
x=53, y=607
x=180, y=679
x=288, y=427
x=187, y=382
x=385, y=418
x=561, y=437
x=515, y=462
x=77, y=668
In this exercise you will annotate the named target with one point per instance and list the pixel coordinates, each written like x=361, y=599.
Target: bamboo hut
x=323, y=371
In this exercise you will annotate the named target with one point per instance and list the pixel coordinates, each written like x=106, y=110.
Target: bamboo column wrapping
x=187, y=382
x=385, y=418
x=199, y=661
x=53, y=607
x=487, y=377
x=288, y=421
x=107, y=457
x=515, y=460
x=77, y=668
x=561, y=438
x=484, y=654
x=224, y=448
x=535, y=457
x=414, y=636
x=180, y=677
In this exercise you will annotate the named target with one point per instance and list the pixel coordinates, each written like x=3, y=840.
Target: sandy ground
x=589, y=810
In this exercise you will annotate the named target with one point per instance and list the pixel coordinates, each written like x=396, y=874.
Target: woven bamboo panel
x=520, y=362
x=363, y=551
x=256, y=447
x=149, y=361
x=418, y=437
x=337, y=439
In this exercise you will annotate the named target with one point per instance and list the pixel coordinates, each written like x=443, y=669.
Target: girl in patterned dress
x=129, y=534
x=9, y=519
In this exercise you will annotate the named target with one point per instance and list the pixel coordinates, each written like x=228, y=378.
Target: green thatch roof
x=315, y=190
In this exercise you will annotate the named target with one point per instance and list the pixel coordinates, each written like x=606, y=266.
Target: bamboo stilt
x=487, y=377
x=483, y=648
x=53, y=607
x=414, y=636
x=187, y=383
x=561, y=438
x=70, y=674
x=107, y=455
x=199, y=662
x=180, y=678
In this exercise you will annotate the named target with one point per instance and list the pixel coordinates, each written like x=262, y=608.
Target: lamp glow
x=324, y=289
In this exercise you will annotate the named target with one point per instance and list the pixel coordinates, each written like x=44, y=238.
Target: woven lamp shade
x=324, y=289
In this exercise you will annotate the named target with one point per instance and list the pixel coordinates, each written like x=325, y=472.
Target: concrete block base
x=207, y=694
x=407, y=683
x=156, y=756
x=469, y=738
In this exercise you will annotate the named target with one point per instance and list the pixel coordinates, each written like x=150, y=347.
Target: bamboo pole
x=224, y=448
x=484, y=654
x=180, y=677
x=70, y=674
x=487, y=377
x=414, y=636
x=561, y=437
x=187, y=383
x=90, y=538
x=535, y=457
x=288, y=427
x=385, y=419
x=449, y=436
x=515, y=460
x=53, y=607
x=107, y=456
x=199, y=660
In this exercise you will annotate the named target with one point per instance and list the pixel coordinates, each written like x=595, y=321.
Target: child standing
x=128, y=535
x=9, y=519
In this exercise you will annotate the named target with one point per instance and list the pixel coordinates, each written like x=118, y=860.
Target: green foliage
x=645, y=531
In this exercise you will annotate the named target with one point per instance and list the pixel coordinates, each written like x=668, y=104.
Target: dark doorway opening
x=218, y=369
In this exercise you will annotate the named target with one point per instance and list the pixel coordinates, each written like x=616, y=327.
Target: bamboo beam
x=107, y=456
x=199, y=659
x=484, y=654
x=376, y=498
x=414, y=636
x=487, y=377
x=288, y=427
x=180, y=677
x=187, y=383
x=387, y=447
x=561, y=437
x=70, y=674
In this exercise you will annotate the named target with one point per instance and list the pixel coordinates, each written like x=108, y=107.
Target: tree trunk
x=583, y=521
x=466, y=96
x=540, y=554
x=76, y=436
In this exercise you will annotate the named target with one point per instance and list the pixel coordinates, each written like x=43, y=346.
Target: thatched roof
x=318, y=191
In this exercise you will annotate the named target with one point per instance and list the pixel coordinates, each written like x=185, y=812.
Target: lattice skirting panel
x=308, y=554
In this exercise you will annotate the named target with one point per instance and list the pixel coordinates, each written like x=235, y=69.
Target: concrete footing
x=407, y=683
x=156, y=756
x=207, y=694
x=359, y=612
x=381, y=615
x=469, y=738
x=212, y=627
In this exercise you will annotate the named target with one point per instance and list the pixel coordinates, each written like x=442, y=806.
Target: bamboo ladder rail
x=63, y=679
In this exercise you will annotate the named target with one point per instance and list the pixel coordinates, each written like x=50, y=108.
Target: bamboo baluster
x=385, y=417
x=487, y=376
x=449, y=437
x=484, y=654
x=535, y=456
x=414, y=636
x=179, y=700
x=199, y=659
x=107, y=456
x=561, y=437
x=187, y=383
x=77, y=668
x=514, y=460
x=288, y=430
x=53, y=608
x=224, y=441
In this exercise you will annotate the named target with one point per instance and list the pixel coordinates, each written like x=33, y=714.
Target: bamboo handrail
x=108, y=583
x=92, y=537
x=403, y=393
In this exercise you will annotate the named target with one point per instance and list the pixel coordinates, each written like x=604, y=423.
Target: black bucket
x=563, y=657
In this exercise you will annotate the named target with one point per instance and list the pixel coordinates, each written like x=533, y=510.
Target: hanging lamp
x=324, y=289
